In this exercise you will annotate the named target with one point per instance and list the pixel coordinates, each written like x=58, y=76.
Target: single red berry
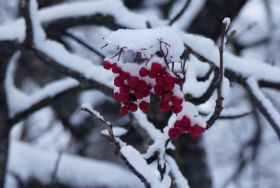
x=143, y=72
x=174, y=133
x=144, y=106
x=169, y=79
x=167, y=97
x=160, y=80
x=116, y=69
x=186, y=124
x=139, y=94
x=168, y=87
x=124, y=110
x=164, y=106
x=124, y=75
x=132, y=107
x=117, y=96
x=178, y=124
x=177, y=100
x=142, y=85
x=177, y=109
x=156, y=67
x=133, y=81
x=153, y=74
x=196, y=130
x=163, y=72
x=107, y=65
x=118, y=81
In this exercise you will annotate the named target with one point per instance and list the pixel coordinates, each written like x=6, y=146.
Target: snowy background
x=53, y=143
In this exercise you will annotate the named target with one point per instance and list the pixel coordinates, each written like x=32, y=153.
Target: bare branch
x=181, y=12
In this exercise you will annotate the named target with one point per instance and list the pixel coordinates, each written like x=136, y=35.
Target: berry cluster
x=131, y=92
x=134, y=83
x=164, y=86
x=184, y=125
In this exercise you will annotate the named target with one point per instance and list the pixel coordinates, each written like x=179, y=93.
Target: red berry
x=177, y=109
x=124, y=75
x=164, y=106
x=144, y=106
x=124, y=110
x=142, y=85
x=118, y=81
x=160, y=80
x=139, y=94
x=117, y=96
x=116, y=69
x=167, y=97
x=177, y=100
x=174, y=133
x=133, y=81
x=178, y=124
x=153, y=74
x=196, y=130
x=169, y=79
x=156, y=67
x=143, y=72
x=168, y=87
x=186, y=124
x=107, y=65
x=132, y=107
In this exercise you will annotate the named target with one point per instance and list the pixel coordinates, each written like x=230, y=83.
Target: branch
x=264, y=105
x=181, y=12
x=115, y=143
x=220, y=98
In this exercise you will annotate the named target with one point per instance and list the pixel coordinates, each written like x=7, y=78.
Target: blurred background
x=59, y=146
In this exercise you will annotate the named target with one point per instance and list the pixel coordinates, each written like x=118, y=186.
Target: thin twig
x=220, y=98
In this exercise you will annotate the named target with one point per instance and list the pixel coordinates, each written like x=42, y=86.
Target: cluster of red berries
x=164, y=87
x=132, y=90
x=184, y=125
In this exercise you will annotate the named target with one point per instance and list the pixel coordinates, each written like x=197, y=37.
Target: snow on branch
x=21, y=104
x=264, y=105
x=132, y=158
x=29, y=162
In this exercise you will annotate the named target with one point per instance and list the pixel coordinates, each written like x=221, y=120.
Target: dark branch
x=181, y=12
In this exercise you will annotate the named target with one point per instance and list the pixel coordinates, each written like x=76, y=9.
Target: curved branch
x=181, y=12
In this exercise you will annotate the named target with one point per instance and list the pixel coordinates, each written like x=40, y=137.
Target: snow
x=38, y=32
x=19, y=101
x=148, y=41
x=185, y=20
x=180, y=180
x=27, y=162
x=118, y=131
x=141, y=166
x=256, y=91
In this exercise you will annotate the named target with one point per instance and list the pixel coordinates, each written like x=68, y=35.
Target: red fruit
x=177, y=100
x=177, y=109
x=163, y=72
x=107, y=65
x=153, y=74
x=143, y=72
x=117, y=96
x=178, y=124
x=168, y=87
x=133, y=81
x=169, y=79
x=139, y=94
x=142, y=85
x=167, y=97
x=196, y=130
x=124, y=110
x=116, y=69
x=164, y=106
x=132, y=107
x=124, y=75
x=156, y=67
x=118, y=81
x=174, y=133
x=144, y=106
x=186, y=124
x=124, y=89
x=160, y=80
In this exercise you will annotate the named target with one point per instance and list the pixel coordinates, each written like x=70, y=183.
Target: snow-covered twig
x=117, y=144
x=264, y=105
x=181, y=12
